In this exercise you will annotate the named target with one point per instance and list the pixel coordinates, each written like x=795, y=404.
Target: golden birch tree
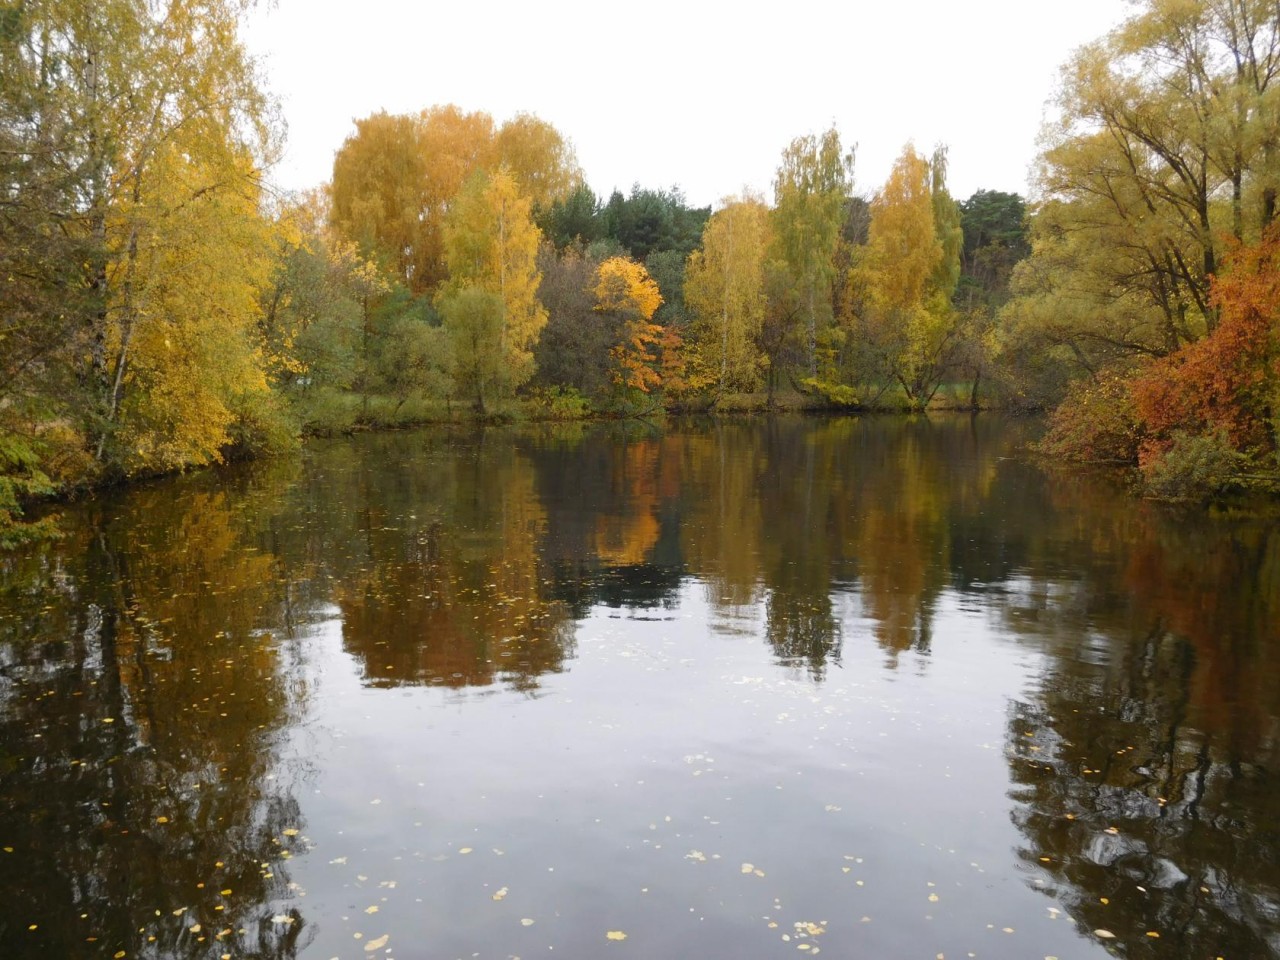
x=908, y=271
x=725, y=292
x=491, y=244
x=810, y=189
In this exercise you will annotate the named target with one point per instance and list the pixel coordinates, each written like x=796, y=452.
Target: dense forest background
x=164, y=308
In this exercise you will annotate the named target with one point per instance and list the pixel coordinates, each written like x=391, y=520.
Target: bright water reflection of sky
x=700, y=95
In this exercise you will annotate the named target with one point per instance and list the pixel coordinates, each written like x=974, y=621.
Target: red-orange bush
x=1227, y=381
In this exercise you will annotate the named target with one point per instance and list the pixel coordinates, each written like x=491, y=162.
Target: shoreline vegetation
x=166, y=309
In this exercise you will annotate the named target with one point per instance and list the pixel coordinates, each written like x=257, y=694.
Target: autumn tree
x=150, y=119
x=625, y=291
x=396, y=178
x=725, y=291
x=908, y=271
x=473, y=321
x=1164, y=144
x=540, y=160
x=810, y=189
x=1221, y=392
x=380, y=174
x=573, y=350
x=491, y=244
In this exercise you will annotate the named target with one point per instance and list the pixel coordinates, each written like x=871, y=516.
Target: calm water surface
x=869, y=688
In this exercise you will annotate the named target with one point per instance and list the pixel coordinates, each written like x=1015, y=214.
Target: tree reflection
x=1144, y=761
x=141, y=709
x=450, y=587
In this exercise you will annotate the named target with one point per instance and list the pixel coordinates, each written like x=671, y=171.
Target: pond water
x=863, y=687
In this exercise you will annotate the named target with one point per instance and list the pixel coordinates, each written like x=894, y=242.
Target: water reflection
x=158, y=667
x=1145, y=762
x=146, y=809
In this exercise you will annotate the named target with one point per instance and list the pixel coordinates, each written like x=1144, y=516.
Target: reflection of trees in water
x=1146, y=763
x=139, y=719
x=794, y=510
x=465, y=560
x=451, y=589
x=613, y=518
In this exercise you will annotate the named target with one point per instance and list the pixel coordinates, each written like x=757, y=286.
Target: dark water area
x=868, y=687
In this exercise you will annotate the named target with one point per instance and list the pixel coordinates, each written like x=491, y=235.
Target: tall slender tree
x=810, y=190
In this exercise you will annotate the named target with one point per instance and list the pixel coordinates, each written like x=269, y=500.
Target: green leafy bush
x=1192, y=466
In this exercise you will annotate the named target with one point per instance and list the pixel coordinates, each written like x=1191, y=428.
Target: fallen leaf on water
x=498, y=895
x=696, y=855
x=373, y=909
x=748, y=867
x=526, y=922
x=162, y=819
x=291, y=832
x=615, y=935
x=1104, y=934
x=465, y=850
x=378, y=944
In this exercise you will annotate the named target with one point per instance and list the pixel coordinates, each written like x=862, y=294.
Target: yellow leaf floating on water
x=526, y=922
x=615, y=935
x=933, y=898
x=378, y=944
x=162, y=819
x=500, y=894
x=291, y=832
x=371, y=909
x=465, y=850
x=1104, y=934
x=748, y=867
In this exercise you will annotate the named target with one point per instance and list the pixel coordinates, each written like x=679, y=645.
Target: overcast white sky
x=701, y=95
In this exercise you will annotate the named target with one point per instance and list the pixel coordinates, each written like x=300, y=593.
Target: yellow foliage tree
x=539, y=158
x=379, y=176
x=396, y=179
x=725, y=291
x=625, y=289
x=491, y=244
x=906, y=276
x=190, y=376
